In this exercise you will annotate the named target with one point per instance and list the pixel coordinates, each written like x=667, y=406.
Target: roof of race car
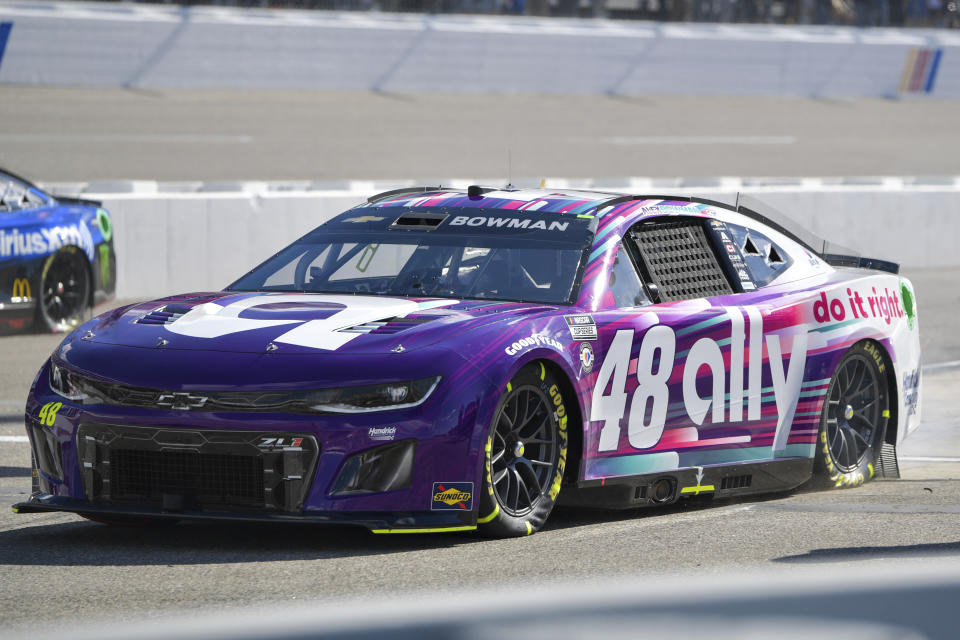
x=566, y=202
x=599, y=208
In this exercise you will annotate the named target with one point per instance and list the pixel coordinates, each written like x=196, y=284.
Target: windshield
x=423, y=265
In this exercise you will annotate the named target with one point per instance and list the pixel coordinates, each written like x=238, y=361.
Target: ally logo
x=659, y=345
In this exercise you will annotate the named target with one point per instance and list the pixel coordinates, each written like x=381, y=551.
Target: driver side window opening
x=624, y=280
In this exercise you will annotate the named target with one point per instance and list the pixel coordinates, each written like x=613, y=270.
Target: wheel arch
x=893, y=422
x=574, y=421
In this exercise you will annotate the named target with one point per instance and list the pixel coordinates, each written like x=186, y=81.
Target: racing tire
x=64, y=291
x=526, y=453
x=853, y=422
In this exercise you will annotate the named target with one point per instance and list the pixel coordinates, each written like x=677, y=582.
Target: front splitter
x=377, y=522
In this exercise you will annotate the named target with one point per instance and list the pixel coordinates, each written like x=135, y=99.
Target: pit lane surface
x=83, y=134
x=57, y=568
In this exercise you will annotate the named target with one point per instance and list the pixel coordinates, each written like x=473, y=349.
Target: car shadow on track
x=848, y=554
x=566, y=517
x=67, y=540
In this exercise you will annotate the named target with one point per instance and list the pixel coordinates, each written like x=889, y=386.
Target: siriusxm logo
x=15, y=243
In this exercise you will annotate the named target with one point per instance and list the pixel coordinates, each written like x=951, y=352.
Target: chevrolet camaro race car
x=56, y=257
x=448, y=360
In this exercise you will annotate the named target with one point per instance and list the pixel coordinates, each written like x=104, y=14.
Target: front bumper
x=377, y=522
x=115, y=460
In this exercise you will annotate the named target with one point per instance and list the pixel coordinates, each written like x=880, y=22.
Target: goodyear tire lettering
x=496, y=521
x=827, y=472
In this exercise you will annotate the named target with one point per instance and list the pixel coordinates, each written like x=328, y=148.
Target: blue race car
x=56, y=257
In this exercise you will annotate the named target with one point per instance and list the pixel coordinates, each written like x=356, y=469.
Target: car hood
x=299, y=323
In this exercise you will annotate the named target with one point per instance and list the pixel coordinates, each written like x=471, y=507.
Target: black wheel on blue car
x=526, y=454
x=64, y=291
x=854, y=419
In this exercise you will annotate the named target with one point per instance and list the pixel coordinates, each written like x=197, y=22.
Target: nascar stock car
x=448, y=360
x=56, y=257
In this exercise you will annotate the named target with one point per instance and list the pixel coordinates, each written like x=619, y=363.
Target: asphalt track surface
x=82, y=134
x=58, y=569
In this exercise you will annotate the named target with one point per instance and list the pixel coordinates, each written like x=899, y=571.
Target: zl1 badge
x=452, y=496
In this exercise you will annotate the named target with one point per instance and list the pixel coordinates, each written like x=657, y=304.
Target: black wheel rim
x=64, y=290
x=523, y=454
x=853, y=412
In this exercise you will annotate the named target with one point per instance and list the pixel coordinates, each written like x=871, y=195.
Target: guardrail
x=64, y=43
x=177, y=237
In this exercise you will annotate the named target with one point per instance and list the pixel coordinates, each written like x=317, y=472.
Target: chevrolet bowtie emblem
x=180, y=401
x=364, y=219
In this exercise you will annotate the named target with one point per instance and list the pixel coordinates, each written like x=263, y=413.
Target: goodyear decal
x=452, y=496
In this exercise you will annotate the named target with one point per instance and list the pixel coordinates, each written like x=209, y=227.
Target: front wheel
x=526, y=454
x=64, y=291
x=854, y=419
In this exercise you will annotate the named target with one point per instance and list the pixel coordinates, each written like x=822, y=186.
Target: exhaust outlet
x=662, y=491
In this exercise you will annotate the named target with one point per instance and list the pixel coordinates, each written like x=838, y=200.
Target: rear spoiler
x=79, y=201
x=830, y=252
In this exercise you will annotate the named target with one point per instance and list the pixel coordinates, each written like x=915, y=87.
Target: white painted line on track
x=926, y=459
x=14, y=439
x=125, y=137
x=698, y=140
x=940, y=366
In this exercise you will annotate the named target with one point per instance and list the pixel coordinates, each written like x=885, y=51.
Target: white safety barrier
x=126, y=45
x=169, y=242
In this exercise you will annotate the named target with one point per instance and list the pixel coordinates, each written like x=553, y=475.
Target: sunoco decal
x=452, y=496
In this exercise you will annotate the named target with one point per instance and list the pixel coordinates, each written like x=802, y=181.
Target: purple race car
x=449, y=360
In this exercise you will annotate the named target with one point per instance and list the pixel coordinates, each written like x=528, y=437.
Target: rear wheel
x=526, y=454
x=64, y=291
x=854, y=419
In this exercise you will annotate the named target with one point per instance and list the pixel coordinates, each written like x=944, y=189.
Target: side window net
x=679, y=260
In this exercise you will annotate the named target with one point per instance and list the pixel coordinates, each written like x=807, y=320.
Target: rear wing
x=831, y=252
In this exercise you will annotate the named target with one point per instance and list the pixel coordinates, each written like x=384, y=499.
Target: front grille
x=294, y=401
x=212, y=478
x=178, y=469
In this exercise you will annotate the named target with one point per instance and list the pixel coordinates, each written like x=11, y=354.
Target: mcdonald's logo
x=21, y=290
